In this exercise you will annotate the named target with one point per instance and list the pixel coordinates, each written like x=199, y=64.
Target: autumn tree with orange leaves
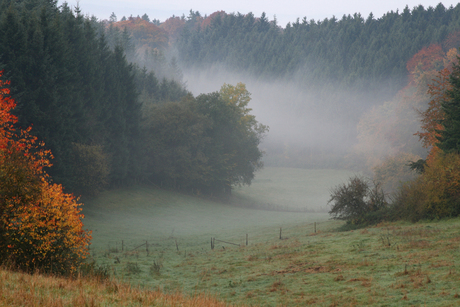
x=431, y=118
x=40, y=226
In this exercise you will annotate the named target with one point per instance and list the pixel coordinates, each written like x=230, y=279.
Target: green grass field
x=397, y=264
x=142, y=213
x=291, y=188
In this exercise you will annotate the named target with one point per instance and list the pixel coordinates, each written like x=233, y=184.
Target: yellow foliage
x=239, y=97
x=436, y=193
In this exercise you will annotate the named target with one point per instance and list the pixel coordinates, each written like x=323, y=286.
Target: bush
x=435, y=193
x=354, y=200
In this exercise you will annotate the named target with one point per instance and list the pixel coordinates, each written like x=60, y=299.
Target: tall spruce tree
x=450, y=135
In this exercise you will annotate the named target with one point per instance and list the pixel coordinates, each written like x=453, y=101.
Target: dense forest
x=380, y=94
x=366, y=54
x=102, y=116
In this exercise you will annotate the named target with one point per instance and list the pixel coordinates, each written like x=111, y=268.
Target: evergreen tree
x=450, y=135
x=146, y=17
x=113, y=17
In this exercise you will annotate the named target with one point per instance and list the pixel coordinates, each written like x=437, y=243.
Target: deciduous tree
x=432, y=117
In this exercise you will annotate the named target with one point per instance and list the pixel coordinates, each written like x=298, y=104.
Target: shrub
x=435, y=193
x=353, y=200
x=92, y=270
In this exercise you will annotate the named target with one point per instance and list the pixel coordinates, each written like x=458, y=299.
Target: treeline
x=109, y=122
x=366, y=54
x=145, y=44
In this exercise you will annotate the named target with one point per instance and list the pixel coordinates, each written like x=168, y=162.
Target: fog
x=301, y=122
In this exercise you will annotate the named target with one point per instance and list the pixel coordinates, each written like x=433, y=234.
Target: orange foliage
x=428, y=59
x=431, y=118
x=429, y=71
x=145, y=33
x=173, y=26
x=40, y=225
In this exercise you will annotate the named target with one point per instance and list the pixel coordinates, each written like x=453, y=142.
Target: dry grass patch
x=19, y=289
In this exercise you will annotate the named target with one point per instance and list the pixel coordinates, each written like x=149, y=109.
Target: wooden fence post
x=177, y=246
x=147, y=247
x=246, y=239
x=122, y=245
x=280, y=233
x=315, y=227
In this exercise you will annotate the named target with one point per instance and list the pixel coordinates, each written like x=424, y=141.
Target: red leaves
x=207, y=21
x=429, y=70
x=429, y=58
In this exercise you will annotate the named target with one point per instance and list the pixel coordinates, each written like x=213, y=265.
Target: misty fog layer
x=303, y=122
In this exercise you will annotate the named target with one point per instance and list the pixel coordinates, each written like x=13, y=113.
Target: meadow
x=394, y=264
x=157, y=239
x=141, y=213
x=157, y=243
x=173, y=227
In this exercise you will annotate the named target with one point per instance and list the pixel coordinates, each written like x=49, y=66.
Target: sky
x=285, y=10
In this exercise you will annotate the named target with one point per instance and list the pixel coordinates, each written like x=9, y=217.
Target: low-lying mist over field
x=292, y=197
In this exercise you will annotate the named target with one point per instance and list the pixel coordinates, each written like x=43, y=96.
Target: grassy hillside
x=397, y=264
x=166, y=241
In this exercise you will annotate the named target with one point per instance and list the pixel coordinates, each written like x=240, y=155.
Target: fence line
x=263, y=234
